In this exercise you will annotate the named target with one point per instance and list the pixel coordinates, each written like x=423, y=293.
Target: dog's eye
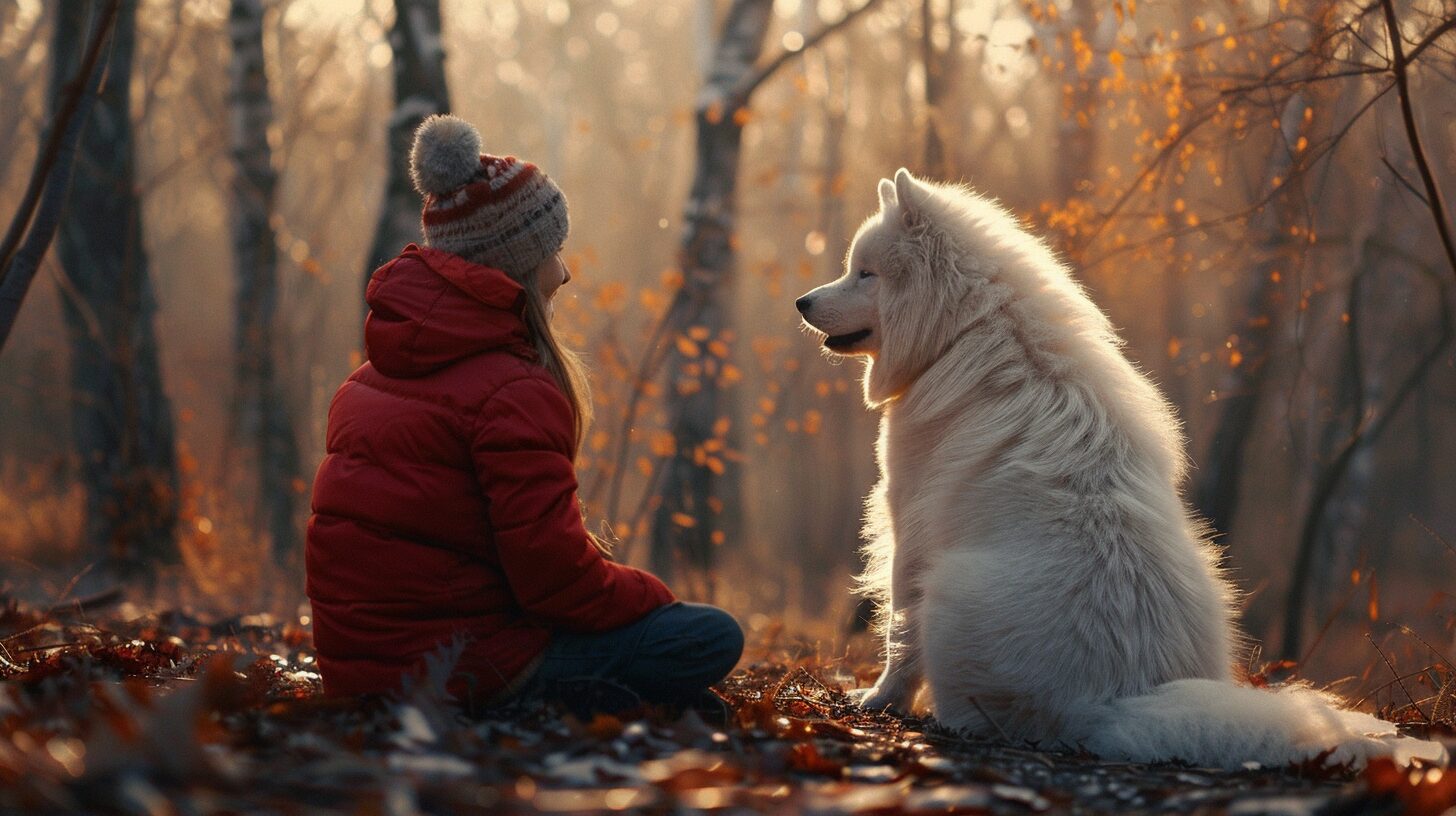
x=865, y=273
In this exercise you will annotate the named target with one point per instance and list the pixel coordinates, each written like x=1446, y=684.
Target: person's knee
x=688, y=648
x=721, y=642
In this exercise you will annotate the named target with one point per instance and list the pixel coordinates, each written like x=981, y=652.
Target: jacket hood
x=428, y=309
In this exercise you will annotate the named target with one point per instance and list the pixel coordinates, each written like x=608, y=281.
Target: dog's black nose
x=803, y=304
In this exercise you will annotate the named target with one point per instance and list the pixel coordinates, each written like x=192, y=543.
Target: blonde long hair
x=565, y=367
x=564, y=364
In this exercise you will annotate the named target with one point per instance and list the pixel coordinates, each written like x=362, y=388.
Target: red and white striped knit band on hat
x=498, y=211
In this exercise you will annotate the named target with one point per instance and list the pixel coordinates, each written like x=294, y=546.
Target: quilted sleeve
x=522, y=449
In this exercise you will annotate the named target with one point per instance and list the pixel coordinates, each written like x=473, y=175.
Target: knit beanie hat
x=501, y=212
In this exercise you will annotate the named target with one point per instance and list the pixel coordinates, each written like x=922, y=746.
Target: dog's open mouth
x=844, y=341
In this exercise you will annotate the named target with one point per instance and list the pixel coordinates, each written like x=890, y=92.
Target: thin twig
x=1329, y=621
x=652, y=357
x=49, y=646
x=20, y=634
x=1300, y=80
x=7, y=661
x=1387, y=684
x=1409, y=632
x=1157, y=162
x=745, y=89
x=1308, y=163
x=23, y=632
x=1412, y=134
x=89, y=602
x=644, y=506
x=1397, y=677
x=1433, y=534
x=1405, y=182
x=992, y=720
x=1435, y=34
x=75, y=579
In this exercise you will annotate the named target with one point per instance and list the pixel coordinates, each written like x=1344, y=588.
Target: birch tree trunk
x=260, y=409
x=419, y=91
x=701, y=485
x=120, y=415
x=934, y=62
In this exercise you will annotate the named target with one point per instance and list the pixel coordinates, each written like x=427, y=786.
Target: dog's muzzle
x=843, y=341
x=836, y=342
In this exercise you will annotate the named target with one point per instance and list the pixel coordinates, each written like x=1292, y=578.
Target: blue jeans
x=671, y=655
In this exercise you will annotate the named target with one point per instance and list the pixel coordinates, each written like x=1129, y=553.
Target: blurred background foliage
x=1234, y=181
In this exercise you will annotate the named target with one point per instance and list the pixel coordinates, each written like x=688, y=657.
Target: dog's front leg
x=901, y=677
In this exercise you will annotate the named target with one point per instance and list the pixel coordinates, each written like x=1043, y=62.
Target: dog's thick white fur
x=1035, y=561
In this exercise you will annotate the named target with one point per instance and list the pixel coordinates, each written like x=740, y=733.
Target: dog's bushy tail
x=1214, y=723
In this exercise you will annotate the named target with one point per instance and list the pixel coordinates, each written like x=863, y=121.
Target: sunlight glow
x=1019, y=121
x=608, y=23
x=558, y=12
x=1008, y=60
x=321, y=13
x=974, y=19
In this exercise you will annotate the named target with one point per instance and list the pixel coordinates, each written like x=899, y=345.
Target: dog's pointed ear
x=887, y=194
x=908, y=194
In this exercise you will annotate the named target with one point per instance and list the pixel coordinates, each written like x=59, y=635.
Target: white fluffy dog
x=1027, y=539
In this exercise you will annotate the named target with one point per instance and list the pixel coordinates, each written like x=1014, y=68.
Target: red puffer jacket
x=446, y=504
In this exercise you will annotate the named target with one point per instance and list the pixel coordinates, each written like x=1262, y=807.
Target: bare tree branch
x=52, y=176
x=80, y=86
x=652, y=358
x=1412, y=134
x=1301, y=80
x=1314, y=156
x=1435, y=34
x=1404, y=182
x=750, y=83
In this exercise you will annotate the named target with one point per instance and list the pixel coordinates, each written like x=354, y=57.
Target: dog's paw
x=1357, y=752
x=877, y=698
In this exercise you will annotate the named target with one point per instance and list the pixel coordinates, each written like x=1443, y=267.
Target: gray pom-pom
x=445, y=155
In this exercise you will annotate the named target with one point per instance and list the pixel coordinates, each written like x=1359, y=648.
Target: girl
x=445, y=510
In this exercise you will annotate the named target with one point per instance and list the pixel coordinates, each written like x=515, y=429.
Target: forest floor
x=168, y=714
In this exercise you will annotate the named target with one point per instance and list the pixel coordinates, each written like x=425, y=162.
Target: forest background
x=1254, y=191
